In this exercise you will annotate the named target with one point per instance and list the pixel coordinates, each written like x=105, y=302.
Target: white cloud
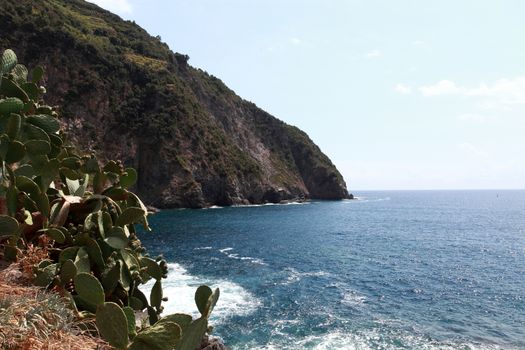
x=118, y=6
x=472, y=117
x=418, y=43
x=373, y=54
x=442, y=87
x=508, y=91
x=501, y=94
x=403, y=89
x=471, y=149
x=286, y=43
x=295, y=41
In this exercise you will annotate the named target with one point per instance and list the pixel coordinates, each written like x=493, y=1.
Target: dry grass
x=32, y=256
x=144, y=61
x=31, y=318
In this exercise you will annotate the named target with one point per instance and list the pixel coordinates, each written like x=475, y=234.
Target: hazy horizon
x=404, y=97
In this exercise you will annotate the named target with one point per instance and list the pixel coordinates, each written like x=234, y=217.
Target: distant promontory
x=124, y=94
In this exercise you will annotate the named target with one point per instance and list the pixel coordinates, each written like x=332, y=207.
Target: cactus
x=13, y=126
x=36, y=74
x=128, y=178
x=86, y=208
x=89, y=289
x=182, y=320
x=202, y=295
x=56, y=234
x=38, y=147
x=130, y=215
x=130, y=316
x=32, y=91
x=206, y=299
x=161, y=336
x=20, y=74
x=156, y=294
x=15, y=152
x=95, y=253
x=45, y=275
x=8, y=61
x=10, y=105
x=112, y=324
x=8, y=225
x=10, y=89
x=193, y=334
x=68, y=271
x=110, y=277
x=116, y=238
x=152, y=268
x=44, y=122
x=33, y=132
x=68, y=254
x=82, y=260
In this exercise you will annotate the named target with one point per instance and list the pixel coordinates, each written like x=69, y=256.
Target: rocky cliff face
x=125, y=95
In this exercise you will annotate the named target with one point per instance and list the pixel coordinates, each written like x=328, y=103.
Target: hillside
x=125, y=95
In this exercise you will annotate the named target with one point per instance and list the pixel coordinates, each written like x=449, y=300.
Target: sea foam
x=364, y=341
x=180, y=288
x=226, y=251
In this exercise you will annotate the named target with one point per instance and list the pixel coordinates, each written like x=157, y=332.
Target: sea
x=389, y=270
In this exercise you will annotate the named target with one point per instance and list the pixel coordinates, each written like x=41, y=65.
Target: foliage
x=50, y=192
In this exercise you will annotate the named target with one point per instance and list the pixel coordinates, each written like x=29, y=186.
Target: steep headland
x=124, y=94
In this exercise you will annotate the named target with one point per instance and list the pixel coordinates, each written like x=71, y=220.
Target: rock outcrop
x=193, y=141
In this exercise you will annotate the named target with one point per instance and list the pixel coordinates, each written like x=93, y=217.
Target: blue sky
x=399, y=94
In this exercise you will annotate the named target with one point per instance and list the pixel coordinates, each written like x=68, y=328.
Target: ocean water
x=391, y=270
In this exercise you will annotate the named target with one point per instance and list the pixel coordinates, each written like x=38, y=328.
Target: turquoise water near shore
x=392, y=270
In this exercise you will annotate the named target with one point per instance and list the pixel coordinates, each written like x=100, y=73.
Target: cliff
x=126, y=95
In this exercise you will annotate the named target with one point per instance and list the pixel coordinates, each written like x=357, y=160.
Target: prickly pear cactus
x=80, y=207
x=112, y=324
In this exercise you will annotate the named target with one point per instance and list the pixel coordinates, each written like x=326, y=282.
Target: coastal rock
x=125, y=95
x=212, y=344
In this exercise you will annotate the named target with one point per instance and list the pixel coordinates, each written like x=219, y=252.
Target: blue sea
x=390, y=270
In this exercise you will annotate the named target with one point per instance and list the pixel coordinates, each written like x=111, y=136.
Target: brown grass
x=32, y=256
x=32, y=318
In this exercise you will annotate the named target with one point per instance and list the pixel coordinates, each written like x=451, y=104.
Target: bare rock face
x=125, y=95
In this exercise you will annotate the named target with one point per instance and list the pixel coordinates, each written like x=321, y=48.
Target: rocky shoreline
x=210, y=343
x=153, y=210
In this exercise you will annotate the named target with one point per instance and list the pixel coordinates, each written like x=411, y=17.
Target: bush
x=81, y=209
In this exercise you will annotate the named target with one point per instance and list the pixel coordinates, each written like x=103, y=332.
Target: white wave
x=253, y=260
x=203, y=248
x=213, y=207
x=294, y=275
x=269, y=204
x=180, y=289
x=368, y=340
x=237, y=257
x=353, y=299
x=365, y=200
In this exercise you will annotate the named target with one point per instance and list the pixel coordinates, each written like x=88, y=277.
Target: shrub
x=82, y=209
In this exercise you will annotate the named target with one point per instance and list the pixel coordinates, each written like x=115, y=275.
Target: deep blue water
x=393, y=270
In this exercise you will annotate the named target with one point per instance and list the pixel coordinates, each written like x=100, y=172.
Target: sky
x=404, y=94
